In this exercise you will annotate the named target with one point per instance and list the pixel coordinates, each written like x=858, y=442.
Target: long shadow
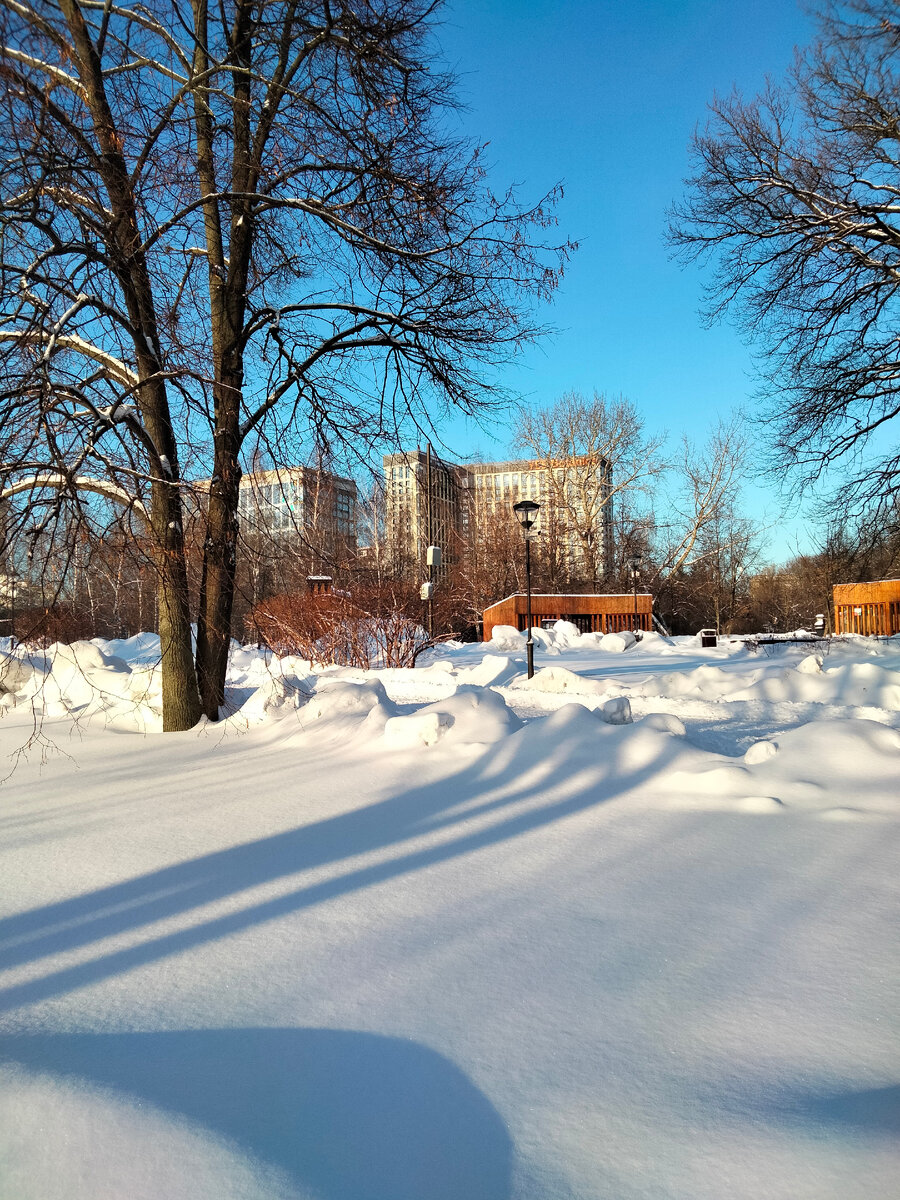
x=869, y=1112
x=493, y=786
x=874, y=1111
x=352, y=1116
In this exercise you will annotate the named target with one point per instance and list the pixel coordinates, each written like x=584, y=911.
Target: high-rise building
x=422, y=504
x=302, y=500
x=429, y=500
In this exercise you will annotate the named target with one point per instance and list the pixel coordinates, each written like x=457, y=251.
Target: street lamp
x=635, y=568
x=526, y=514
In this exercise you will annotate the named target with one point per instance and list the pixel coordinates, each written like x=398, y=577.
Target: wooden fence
x=867, y=608
x=591, y=614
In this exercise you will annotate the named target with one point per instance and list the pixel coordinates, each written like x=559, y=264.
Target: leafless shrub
x=373, y=629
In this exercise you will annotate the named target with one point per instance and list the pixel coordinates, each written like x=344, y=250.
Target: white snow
x=626, y=930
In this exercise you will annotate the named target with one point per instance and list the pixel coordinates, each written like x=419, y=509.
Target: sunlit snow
x=626, y=930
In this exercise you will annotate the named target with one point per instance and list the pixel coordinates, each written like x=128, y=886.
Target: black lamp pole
x=635, y=571
x=526, y=512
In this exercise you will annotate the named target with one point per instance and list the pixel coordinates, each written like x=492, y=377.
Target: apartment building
x=422, y=504
x=429, y=500
x=299, y=500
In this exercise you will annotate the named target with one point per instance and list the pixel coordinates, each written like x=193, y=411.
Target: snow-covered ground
x=626, y=931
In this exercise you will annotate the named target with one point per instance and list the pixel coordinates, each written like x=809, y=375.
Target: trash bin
x=708, y=637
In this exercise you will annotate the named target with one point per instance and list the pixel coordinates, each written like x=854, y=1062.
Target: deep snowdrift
x=624, y=930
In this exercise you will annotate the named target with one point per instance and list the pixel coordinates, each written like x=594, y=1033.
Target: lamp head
x=526, y=513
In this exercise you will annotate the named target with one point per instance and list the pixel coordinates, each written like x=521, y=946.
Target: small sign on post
x=426, y=591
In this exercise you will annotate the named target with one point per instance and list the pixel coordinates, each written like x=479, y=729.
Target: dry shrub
x=55, y=623
x=374, y=629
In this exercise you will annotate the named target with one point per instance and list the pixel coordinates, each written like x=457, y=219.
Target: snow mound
x=78, y=679
x=806, y=770
x=440, y=666
x=546, y=639
x=811, y=665
x=559, y=679
x=470, y=716
x=655, y=643
x=142, y=647
x=760, y=752
x=15, y=673
x=706, y=682
x=85, y=655
x=616, y=643
x=852, y=684
x=293, y=665
x=608, y=761
x=493, y=670
x=340, y=698
x=567, y=633
x=421, y=728
x=507, y=638
x=617, y=711
x=824, y=761
x=274, y=696
x=665, y=723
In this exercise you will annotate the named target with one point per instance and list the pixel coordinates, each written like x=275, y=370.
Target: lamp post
x=526, y=514
x=635, y=567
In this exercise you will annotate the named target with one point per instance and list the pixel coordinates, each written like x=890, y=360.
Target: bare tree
x=795, y=198
x=706, y=484
x=593, y=452
x=700, y=543
x=487, y=562
x=233, y=222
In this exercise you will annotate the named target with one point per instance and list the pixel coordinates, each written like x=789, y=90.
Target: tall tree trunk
x=181, y=700
x=228, y=278
x=218, y=578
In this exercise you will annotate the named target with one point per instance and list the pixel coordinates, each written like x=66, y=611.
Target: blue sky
x=604, y=95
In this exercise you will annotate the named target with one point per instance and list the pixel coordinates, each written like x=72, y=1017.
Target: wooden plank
x=868, y=608
x=607, y=613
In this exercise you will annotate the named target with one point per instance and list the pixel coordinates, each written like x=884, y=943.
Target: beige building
x=422, y=504
x=574, y=498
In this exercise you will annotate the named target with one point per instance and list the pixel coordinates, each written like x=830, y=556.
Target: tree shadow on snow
x=870, y=1111
x=352, y=1116
x=505, y=793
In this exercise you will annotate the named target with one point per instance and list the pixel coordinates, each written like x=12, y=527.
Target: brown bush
x=55, y=623
x=373, y=629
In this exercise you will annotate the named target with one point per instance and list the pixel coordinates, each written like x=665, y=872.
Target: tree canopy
x=231, y=225
x=795, y=197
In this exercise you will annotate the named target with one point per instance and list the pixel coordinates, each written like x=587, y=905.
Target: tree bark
x=181, y=701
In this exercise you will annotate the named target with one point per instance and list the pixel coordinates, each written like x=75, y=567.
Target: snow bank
x=560, y=679
x=470, y=716
x=851, y=684
x=616, y=643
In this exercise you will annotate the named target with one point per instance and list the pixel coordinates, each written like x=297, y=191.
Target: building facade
x=299, y=500
x=423, y=505
x=430, y=501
